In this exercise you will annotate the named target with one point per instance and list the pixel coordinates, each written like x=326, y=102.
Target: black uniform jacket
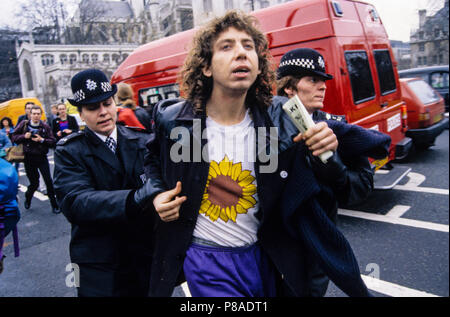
x=292, y=217
x=94, y=188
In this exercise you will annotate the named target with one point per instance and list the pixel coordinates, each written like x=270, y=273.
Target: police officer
x=97, y=173
x=302, y=72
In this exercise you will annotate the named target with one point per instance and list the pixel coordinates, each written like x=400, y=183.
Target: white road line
x=394, y=220
x=423, y=189
x=37, y=194
x=185, y=289
x=391, y=289
x=397, y=211
x=415, y=179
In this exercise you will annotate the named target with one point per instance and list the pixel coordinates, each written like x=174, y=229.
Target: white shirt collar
x=112, y=135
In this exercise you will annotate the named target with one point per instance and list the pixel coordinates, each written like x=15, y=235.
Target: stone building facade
x=429, y=43
x=46, y=70
x=102, y=40
x=205, y=10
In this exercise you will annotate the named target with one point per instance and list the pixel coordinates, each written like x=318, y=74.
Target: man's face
x=100, y=117
x=62, y=111
x=311, y=91
x=234, y=64
x=36, y=115
x=28, y=109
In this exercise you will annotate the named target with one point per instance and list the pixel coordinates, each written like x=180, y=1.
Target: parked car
x=435, y=76
x=425, y=106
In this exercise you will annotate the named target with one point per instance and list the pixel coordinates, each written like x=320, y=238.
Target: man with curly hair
x=228, y=227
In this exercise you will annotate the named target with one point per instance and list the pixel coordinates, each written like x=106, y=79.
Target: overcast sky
x=398, y=16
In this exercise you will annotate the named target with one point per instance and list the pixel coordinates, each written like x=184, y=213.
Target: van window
x=150, y=96
x=385, y=71
x=360, y=76
x=423, y=91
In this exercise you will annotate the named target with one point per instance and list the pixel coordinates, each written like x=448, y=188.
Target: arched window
x=116, y=58
x=63, y=59
x=47, y=59
x=105, y=58
x=85, y=58
x=72, y=58
x=94, y=58
x=28, y=77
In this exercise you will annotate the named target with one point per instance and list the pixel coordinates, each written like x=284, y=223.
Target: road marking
x=36, y=194
x=31, y=223
x=185, y=289
x=397, y=211
x=423, y=189
x=415, y=179
x=391, y=289
x=394, y=220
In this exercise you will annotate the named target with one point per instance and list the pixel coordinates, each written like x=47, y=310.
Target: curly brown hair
x=197, y=88
x=287, y=82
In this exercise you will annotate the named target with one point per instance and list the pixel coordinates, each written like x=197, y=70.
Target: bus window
x=360, y=76
x=385, y=71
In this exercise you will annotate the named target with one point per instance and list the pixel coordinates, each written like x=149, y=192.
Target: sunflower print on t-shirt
x=229, y=191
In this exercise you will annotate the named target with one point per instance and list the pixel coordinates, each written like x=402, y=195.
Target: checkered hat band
x=302, y=62
x=91, y=85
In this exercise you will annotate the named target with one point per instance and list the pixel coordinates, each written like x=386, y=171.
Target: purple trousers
x=229, y=272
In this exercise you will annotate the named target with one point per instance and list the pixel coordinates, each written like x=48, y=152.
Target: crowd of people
x=142, y=223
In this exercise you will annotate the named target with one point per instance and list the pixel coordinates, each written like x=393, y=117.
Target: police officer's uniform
x=111, y=235
x=358, y=172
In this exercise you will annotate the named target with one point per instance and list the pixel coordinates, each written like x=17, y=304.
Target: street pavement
x=400, y=237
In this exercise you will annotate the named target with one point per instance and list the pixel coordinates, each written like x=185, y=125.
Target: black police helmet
x=91, y=86
x=302, y=62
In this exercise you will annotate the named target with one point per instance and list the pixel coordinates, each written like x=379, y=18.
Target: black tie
x=111, y=143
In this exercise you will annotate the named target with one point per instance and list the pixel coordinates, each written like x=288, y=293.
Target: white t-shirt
x=230, y=200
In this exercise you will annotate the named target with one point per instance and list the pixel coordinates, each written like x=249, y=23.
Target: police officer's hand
x=167, y=204
x=319, y=139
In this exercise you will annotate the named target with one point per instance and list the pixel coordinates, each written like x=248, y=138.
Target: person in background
x=125, y=98
x=302, y=73
x=9, y=209
x=27, y=115
x=64, y=124
x=53, y=115
x=7, y=126
x=5, y=143
x=37, y=138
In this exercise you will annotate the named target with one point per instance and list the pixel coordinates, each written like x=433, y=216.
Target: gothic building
x=429, y=44
x=46, y=70
x=101, y=34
